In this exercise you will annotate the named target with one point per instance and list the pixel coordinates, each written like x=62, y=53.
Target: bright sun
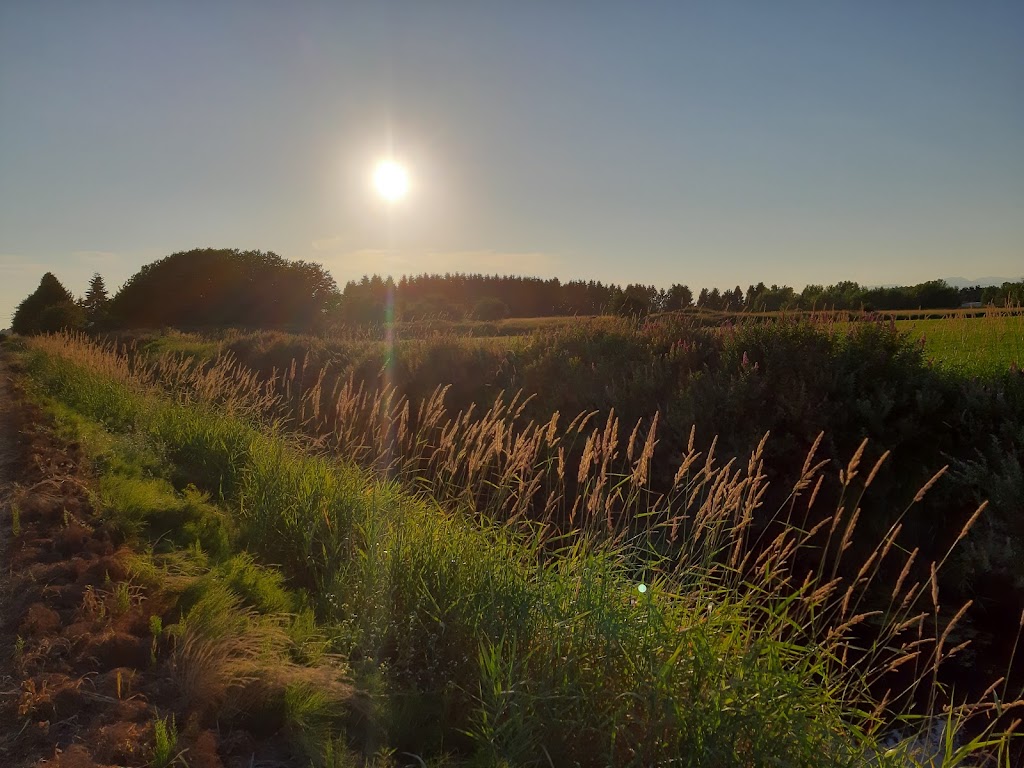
x=391, y=180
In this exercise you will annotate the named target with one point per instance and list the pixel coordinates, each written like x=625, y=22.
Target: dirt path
x=80, y=685
x=7, y=446
x=8, y=455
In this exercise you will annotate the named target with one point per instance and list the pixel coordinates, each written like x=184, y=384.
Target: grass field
x=477, y=636
x=972, y=345
x=972, y=342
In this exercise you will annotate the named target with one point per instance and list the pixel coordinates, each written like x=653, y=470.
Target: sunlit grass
x=475, y=631
x=972, y=345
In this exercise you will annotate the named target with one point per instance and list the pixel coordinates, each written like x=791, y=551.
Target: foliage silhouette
x=222, y=287
x=96, y=302
x=454, y=296
x=50, y=307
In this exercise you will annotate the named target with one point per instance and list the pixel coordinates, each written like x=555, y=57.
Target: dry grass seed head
x=874, y=469
x=928, y=486
x=851, y=468
x=904, y=572
x=805, y=470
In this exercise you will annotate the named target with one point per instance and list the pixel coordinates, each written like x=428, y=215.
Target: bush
x=65, y=316
x=490, y=309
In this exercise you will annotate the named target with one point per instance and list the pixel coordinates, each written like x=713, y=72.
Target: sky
x=712, y=143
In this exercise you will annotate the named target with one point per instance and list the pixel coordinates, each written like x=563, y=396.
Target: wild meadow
x=607, y=544
x=972, y=346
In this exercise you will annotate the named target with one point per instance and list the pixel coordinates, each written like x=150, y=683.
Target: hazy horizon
x=712, y=144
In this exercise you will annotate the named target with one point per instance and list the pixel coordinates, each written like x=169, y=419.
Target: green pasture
x=971, y=345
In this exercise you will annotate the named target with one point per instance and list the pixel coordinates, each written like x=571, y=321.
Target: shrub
x=490, y=309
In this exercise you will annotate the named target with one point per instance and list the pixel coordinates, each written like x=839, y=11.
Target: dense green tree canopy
x=50, y=307
x=456, y=295
x=222, y=287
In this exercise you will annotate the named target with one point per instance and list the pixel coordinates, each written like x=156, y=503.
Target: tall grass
x=517, y=592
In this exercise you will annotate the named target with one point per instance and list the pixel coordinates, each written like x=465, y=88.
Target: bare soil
x=79, y=686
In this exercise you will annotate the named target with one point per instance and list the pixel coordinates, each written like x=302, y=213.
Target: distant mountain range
x=963, y=282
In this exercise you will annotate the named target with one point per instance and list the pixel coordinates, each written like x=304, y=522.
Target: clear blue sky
x=709, y=143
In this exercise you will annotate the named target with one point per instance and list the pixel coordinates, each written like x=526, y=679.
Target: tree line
x=491, y=297
x=191, y=289
x=209, y=287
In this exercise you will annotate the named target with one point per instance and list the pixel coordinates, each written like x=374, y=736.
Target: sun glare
x=391, y=180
